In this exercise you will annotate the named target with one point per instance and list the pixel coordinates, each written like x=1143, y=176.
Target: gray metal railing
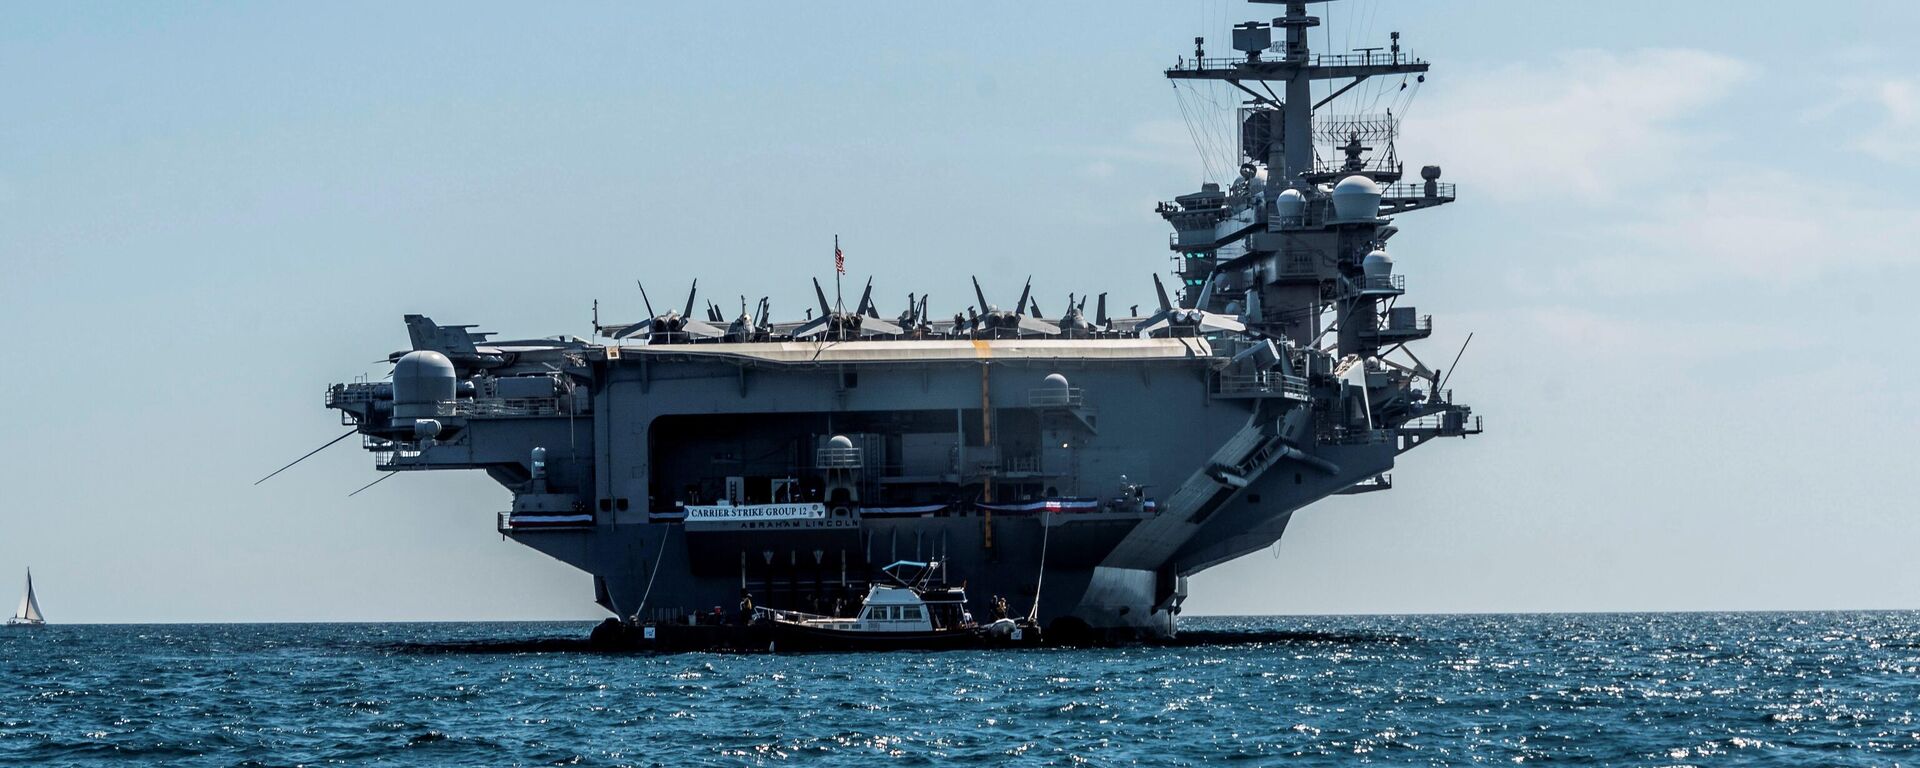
x=496, y=407
x=1264, y=383
x=1418, y=191
x=837, y=458
x=351, y=393
x=1423, y=323
x=1055, y=397
x=1277, y=52
x=1446, y=423
x=1312, y=216
x=487, y=406
x=1358, y=436
x=1384, y=283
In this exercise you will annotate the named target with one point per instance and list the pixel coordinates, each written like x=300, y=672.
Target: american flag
x=839, y=259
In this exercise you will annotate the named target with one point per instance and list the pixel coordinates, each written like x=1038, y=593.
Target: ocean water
x=1790, y=689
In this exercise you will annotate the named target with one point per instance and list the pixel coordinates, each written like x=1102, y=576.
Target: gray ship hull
x=1113, y=573
x=1077, y=592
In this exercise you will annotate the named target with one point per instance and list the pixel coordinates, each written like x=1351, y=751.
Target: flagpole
x=839, y=305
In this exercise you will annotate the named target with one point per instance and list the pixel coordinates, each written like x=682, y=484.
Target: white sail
x=29, y=609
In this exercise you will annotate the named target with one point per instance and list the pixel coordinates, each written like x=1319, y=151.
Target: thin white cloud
x=1762, y=228
x=1893, y=134
x=1611, y=143
x=1589, y=124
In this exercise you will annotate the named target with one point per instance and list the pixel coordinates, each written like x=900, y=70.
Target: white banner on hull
x=733, y=512
x=746, y=515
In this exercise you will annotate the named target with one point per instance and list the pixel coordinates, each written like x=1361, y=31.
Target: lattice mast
x=1295, y=70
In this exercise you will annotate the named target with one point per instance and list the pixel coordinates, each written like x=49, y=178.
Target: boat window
x=912, y=613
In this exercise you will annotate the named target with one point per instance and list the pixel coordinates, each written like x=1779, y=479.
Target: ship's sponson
x=934, y=350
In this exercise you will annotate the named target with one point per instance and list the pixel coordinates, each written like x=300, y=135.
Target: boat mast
x=1297, y=68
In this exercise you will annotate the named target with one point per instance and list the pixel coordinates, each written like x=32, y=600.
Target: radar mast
x=1291, y=151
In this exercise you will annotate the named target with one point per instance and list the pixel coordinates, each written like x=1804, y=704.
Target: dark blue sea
x=1789, y=689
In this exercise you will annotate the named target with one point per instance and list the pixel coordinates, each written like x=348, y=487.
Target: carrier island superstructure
x=1081, y=466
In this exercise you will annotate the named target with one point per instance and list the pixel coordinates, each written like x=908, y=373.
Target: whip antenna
x=1456, y=362
x=304, y=458
x=374, y=483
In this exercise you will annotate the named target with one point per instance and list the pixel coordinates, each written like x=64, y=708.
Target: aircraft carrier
x=1081, y=466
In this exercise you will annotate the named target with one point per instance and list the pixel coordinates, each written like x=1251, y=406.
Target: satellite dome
x=1356, y=198
x=1056, y=381
x=840, y=441
x=1290, y=204
x=422, y=379
x=1377, y=264
x=422, y=363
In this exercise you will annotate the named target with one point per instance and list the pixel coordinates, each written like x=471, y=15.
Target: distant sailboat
x=28, y=614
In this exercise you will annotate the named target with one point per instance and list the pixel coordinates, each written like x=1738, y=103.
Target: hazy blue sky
x=1684, y=243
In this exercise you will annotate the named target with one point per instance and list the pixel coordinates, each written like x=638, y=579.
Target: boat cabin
x=910, y=605
x=894, y=609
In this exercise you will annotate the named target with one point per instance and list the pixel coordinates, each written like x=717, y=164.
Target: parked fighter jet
x=837, y=324
x=914, y=320
x=664, y=328
x=751, y=327
x=993, y=321
x=1074, y=323
x=471, y=350
x=1180, y=321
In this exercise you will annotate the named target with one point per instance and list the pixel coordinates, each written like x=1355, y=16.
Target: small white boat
x=28, y=614
x=908, y=614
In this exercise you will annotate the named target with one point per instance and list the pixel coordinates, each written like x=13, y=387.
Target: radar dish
x=1260, y=133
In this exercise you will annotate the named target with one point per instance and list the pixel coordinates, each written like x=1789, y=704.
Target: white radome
x=1377, y=264
x=1290, y=204
x=1356, y=198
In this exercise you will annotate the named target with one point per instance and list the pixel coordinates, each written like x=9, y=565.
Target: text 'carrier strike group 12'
x=1078, y=467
